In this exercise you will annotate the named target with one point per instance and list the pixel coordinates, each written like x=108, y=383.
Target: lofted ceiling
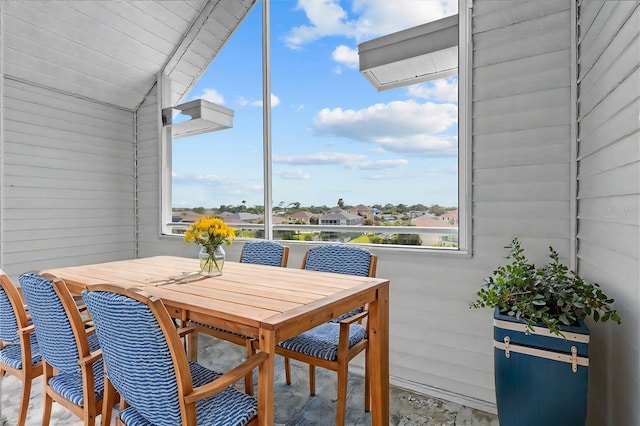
x=113, y=51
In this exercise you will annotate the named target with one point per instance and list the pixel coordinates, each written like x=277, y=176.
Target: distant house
x=431, y=221
x=276, y=219
x=451, y=217
x=362, y=211
x=416, y=213
x=302, y=215
x=340, y=217
x=241, y=217
x=187, y=216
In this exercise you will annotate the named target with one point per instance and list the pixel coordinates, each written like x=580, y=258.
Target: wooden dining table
x=268, y=303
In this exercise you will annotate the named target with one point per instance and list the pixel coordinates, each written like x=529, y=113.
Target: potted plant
x=541, y=338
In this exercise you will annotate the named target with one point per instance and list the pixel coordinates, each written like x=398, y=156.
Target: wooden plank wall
x=67, y=181
x=609, y=200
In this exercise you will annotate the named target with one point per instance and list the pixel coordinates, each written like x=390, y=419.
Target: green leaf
x=551, y=294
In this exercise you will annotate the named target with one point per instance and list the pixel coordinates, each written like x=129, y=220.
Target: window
x=344, y=159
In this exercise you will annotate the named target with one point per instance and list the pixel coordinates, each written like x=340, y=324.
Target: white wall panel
x=67, y=180
x=609, y=199
x=521, y=135
x=148, y=173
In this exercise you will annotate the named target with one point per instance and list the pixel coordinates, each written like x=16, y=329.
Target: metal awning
x=415, y=55
x=204, y=116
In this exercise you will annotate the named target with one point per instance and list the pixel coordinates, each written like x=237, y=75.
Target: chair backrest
x=144, y=361
x=341, y=259
x=56, y=338
x=12, y=312
x=264, y=252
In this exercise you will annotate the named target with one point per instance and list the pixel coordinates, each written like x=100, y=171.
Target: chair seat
x=221, y=330
x=348, y=314
x=227, y=408
x=69, y=385
x=11, y=355
x=322, y=341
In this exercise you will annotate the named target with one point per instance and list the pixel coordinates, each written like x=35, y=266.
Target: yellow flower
x=210, y=232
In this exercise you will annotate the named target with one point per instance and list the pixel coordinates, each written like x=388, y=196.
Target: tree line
x=282, y=207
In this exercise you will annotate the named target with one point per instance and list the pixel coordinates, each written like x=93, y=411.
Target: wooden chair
x=264, y=252
x=147, y=365
x=72, y=360
x=332, y=345
x=341, y=259
x=19, y=351
x=260, y=252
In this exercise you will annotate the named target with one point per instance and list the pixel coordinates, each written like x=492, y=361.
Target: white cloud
x=319, y=158
x=380, y=164
x=211, y=95
x=423, y=145
x=350, y=161
x=438, y=90
x=381, y=17
x=293, y=174
x=222, y=183
x=400, y=126
x=427, y=173
x=346, y=56
x=199, y=178
x=241, y=101
x=372, y=18
x=326, y=17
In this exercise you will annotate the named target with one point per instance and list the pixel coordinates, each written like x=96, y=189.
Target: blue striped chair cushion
x=340, y=259
x=348, y=314
x=222, y=330
x=227, y=408
x=69, y=385
x=53, y=329
x=322, y=341
x=262, y=253
x=199, y=376
x=8, y=322
x=140, y=366
x=135, y=351
x=12, y=354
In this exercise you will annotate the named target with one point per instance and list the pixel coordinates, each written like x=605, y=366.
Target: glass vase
x=211, y=261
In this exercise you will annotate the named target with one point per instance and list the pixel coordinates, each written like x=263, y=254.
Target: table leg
x=266, y=377
x=379, y=357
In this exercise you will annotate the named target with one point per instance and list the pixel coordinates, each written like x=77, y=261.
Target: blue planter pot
x=540, y=378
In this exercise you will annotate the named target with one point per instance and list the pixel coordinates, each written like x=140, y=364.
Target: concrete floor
x=293, y=405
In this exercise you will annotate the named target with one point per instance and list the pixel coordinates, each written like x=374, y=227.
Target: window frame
x=464, y=229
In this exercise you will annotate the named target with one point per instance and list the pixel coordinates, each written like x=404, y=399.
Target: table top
x=243, y=299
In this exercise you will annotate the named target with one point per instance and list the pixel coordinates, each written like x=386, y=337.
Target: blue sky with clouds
x=333, y=135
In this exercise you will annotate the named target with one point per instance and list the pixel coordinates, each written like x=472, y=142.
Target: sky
x=333, y=135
